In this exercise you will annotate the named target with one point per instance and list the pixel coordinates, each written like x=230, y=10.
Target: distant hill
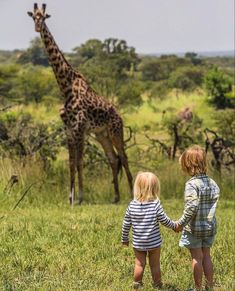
x=228, y=53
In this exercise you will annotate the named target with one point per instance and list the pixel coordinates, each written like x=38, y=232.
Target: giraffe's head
x=38, y=16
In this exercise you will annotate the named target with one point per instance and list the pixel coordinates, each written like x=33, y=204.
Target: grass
x=152, y=114
x=58, y=248
x=41, y=113
x=45, y=245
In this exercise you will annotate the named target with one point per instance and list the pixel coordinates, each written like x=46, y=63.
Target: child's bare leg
x=154, y=262
x=197, y=257
x=140, y=262
x=207, y=267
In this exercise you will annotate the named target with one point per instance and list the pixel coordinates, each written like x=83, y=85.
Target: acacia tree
x=181, y=133
x=222, y=141
x=111, y=51
x=222, y=150
x=193, y=57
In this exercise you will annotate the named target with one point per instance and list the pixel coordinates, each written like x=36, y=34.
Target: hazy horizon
x=150, y=26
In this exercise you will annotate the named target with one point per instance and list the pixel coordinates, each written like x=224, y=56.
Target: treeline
x=116, y=71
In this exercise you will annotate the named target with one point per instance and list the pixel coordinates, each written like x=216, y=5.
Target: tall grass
x=52, y=187
x=43, y=112
x=151, y=113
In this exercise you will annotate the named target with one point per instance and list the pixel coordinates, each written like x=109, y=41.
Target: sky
x=150, y=26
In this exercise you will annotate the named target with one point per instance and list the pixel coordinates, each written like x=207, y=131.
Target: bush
x=218, y=85
x=129, y=94
x=186, y=78
x=25, y=139
x=33, y=83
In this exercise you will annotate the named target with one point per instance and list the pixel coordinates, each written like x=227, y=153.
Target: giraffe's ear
x=47, y=16
x=30, y=14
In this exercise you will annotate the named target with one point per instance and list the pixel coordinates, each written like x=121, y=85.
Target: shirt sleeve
x=126, y=226
x=191, y=204
x=163, y=218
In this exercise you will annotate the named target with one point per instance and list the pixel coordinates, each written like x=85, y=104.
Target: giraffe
x=83, y=112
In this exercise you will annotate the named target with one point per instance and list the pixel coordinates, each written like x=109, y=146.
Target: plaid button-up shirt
x=201, y=197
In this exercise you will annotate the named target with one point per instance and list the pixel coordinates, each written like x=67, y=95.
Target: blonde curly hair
x=146, y=187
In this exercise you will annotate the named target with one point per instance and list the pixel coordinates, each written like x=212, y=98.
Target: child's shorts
x=191, y=242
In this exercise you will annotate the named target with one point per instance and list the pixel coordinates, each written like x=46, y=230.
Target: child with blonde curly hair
x=144, y=214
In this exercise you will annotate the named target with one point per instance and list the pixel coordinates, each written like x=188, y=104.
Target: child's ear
x=30, y=14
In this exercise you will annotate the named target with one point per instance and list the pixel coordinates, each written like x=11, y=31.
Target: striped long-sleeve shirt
x=144, y=219
x=201, y=197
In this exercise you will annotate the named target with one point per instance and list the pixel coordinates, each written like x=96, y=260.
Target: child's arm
x=126, y=226
x=163, y=218
x=191, y=204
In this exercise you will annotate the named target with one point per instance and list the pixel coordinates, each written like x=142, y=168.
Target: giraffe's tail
x=120, y=168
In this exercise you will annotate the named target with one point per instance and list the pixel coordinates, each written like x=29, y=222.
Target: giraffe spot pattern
x=83, y=107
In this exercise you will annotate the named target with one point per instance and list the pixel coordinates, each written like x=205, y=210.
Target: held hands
x=178, y=227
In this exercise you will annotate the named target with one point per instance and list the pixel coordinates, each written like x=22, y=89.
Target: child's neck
x=146, y=201
x=199, y=174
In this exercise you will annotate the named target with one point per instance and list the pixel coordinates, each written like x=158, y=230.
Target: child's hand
x=178, y=227
x=126, y=243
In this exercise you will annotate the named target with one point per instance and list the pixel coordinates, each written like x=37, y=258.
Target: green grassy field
x=57, y=248
x=46, y=245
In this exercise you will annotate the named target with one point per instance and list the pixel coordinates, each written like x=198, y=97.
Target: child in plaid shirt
x=198, y=220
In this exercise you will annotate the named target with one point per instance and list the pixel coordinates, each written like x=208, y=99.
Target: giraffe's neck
x=62, y=69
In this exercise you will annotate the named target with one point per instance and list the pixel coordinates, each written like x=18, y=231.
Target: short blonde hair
x=193, y=161
x=146, y=187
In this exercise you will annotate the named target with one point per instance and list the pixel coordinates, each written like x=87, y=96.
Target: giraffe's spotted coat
x=83, y=112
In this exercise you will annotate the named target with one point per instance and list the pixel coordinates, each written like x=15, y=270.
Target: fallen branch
x=22, y=197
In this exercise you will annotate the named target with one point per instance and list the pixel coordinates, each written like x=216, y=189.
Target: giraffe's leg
x=106, y=143
x=80, y=149
x=72, y=166
x=119, y=146
x=72, y=154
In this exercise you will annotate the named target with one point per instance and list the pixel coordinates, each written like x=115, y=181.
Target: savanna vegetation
x=167, y=103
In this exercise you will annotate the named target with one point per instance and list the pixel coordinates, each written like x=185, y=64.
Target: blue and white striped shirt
x=144, y=218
